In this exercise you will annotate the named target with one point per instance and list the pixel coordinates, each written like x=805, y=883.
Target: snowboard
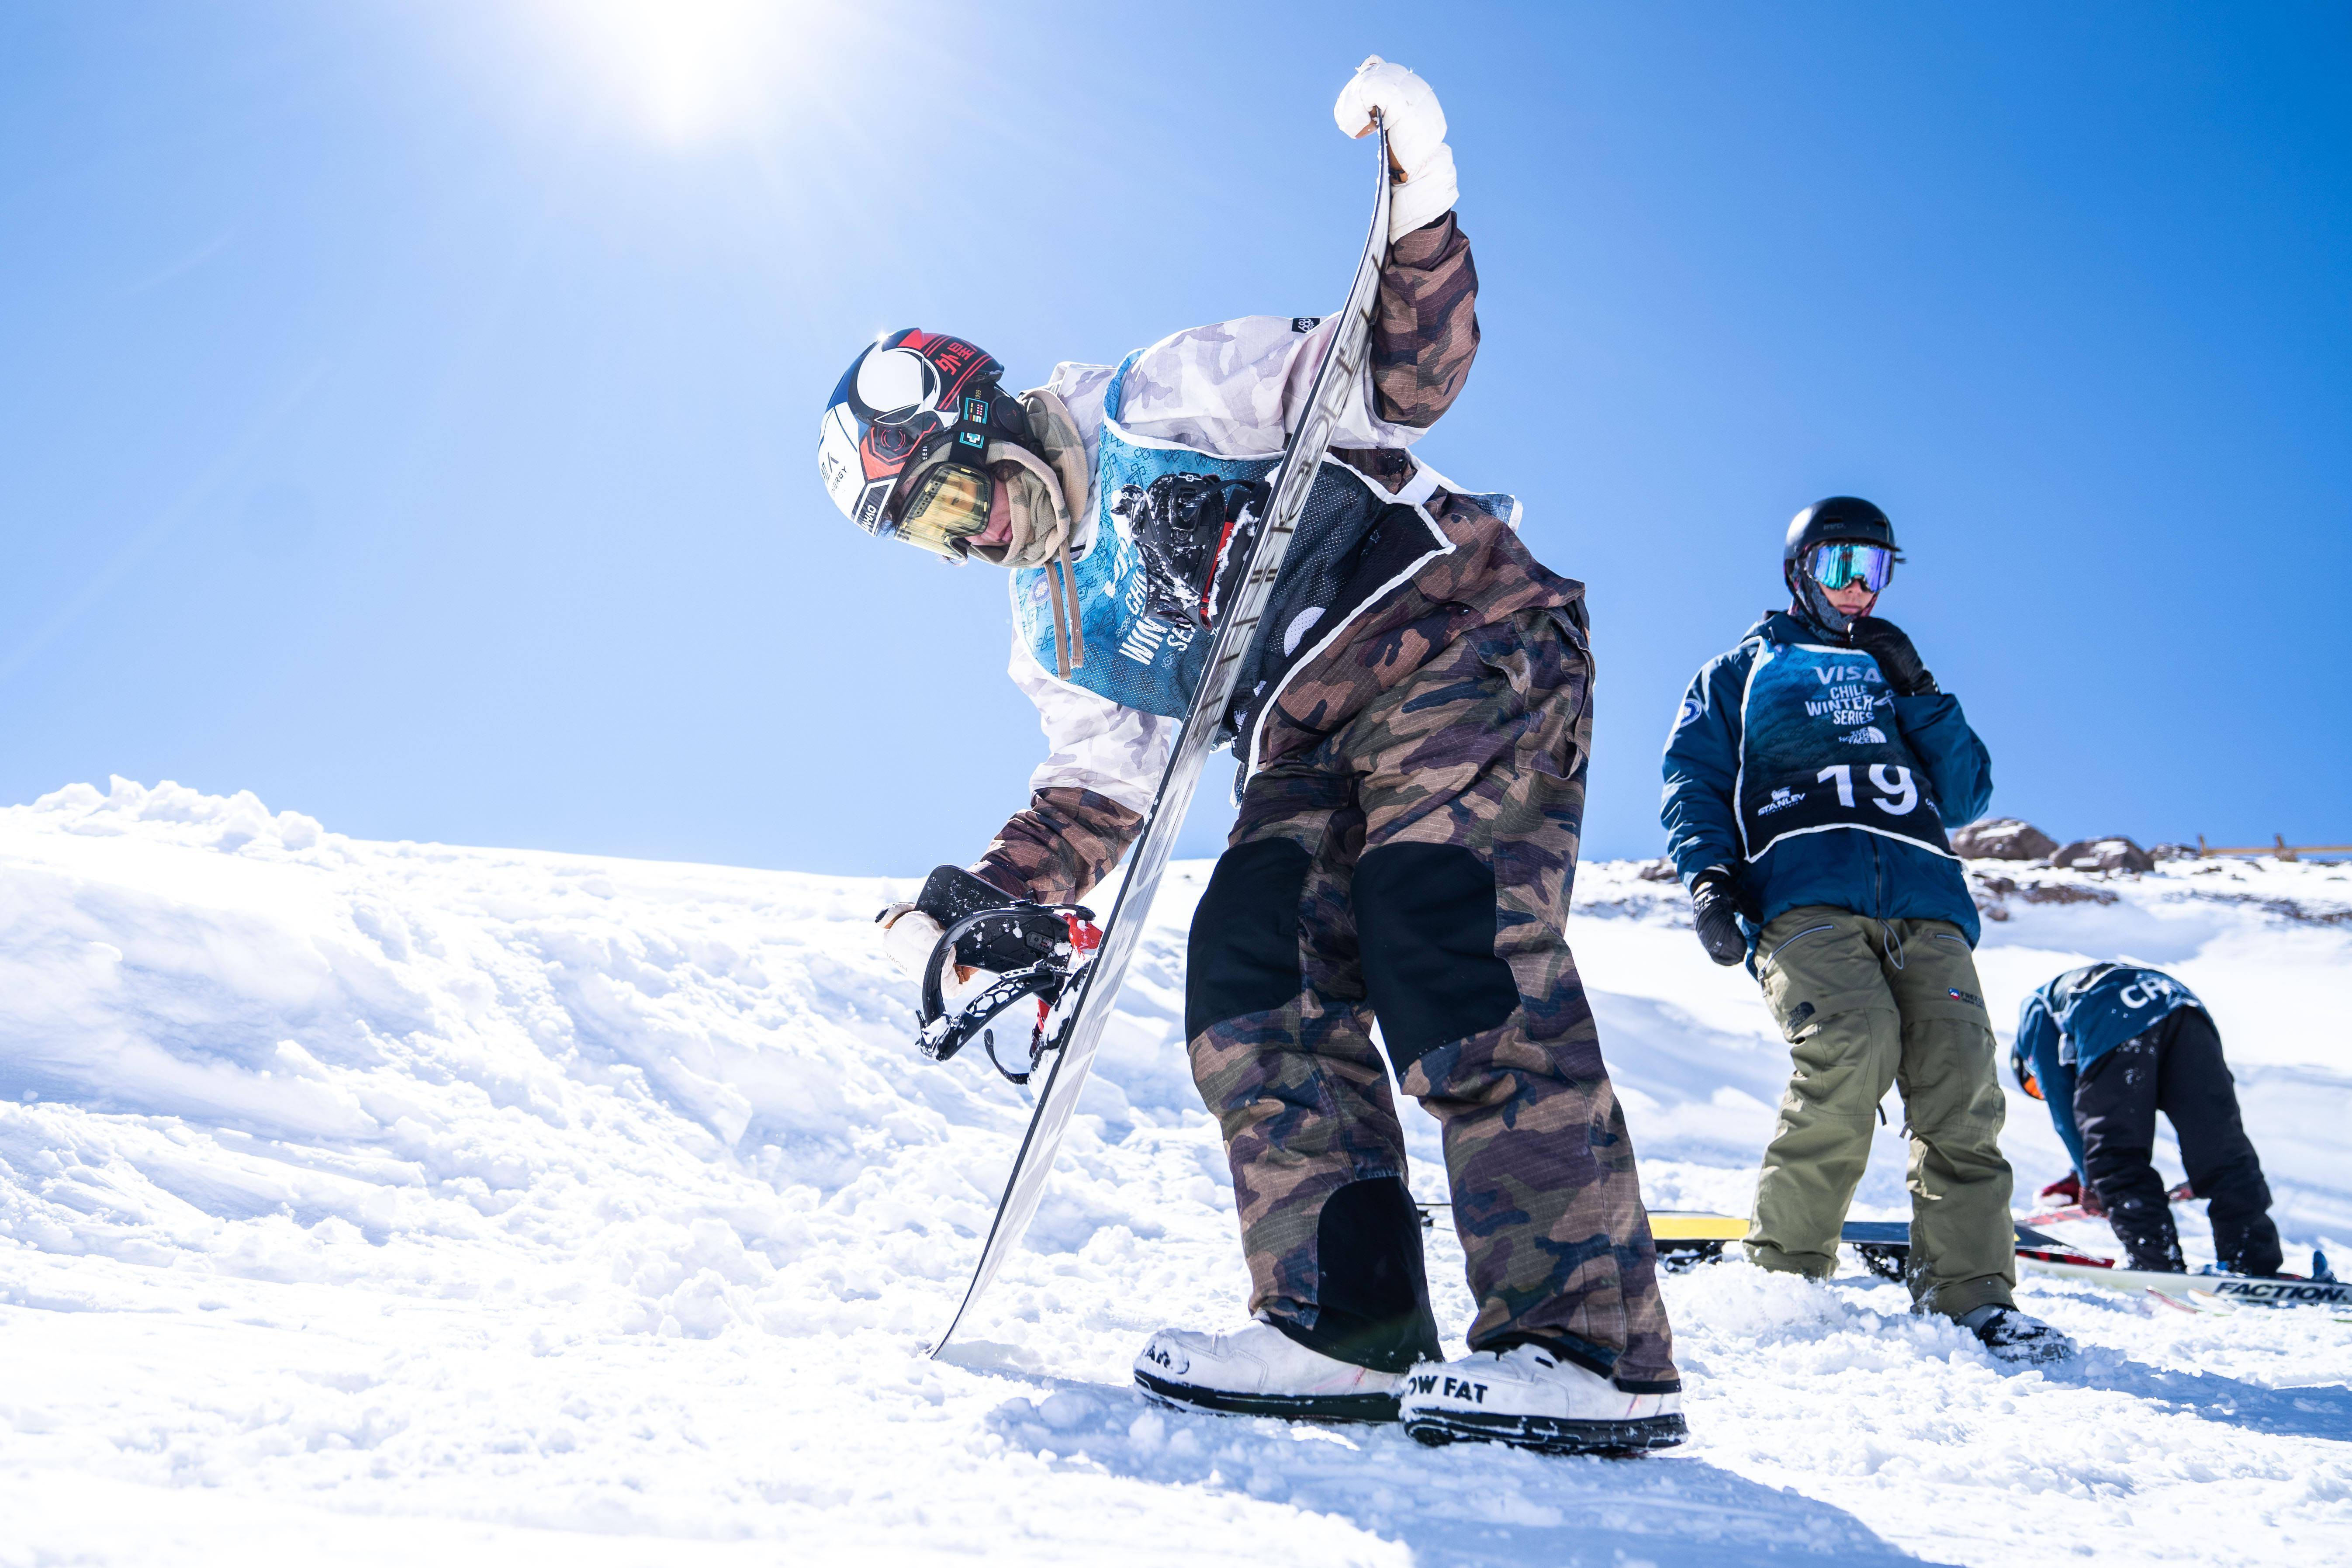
x=1686, y=1240
x=1080, y=1030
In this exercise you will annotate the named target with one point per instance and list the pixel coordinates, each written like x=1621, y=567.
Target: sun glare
x=689, y=69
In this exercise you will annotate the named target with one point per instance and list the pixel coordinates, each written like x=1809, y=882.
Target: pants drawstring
x=1890, y=940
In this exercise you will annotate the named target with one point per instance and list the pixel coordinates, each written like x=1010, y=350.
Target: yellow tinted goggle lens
x=950, y=503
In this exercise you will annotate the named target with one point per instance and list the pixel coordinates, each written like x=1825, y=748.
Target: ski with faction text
x=1686, y=1240
x=1080, y=1030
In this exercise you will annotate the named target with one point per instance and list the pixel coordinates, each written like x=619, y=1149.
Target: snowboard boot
x=2012, y=1336
x=1530, y=1398
x=1261, y=1371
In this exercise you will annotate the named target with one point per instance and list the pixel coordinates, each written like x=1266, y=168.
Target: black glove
x=1897, y=659
x=1716, y=915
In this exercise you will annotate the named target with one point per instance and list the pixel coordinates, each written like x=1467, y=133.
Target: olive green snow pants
x=1865, y=1003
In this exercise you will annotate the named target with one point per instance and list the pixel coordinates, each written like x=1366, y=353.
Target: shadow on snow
x=1469, y=1504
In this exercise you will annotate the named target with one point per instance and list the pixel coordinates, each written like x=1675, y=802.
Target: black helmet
x=1829, y=522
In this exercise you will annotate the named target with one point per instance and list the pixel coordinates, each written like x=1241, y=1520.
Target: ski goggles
x=1843, y=562
x=948, y=505
x=2026, y=1080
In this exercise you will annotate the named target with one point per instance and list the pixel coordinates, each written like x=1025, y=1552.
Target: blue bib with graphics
x=1819, y=751
x=1132, y=657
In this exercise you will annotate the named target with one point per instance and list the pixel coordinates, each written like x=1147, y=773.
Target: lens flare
x=692, y=69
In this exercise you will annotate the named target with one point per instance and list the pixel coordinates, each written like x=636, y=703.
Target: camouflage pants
x=1416, y=867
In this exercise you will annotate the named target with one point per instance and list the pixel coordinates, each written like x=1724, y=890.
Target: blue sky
x=406, y=410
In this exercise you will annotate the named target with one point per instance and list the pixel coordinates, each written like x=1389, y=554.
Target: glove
x=1897, y=659
x=1714, y=914
x=1421, y=165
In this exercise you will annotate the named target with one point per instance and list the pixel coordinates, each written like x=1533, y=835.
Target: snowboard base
x=1219, y=1401
x=1547, y=1436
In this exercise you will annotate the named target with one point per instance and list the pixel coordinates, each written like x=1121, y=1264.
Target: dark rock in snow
x=2001, y=838
x=2113, y=853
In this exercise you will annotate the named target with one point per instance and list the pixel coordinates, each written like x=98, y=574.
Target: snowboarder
x=1412, y=729
x=2107, y=1047
x=1810, y=778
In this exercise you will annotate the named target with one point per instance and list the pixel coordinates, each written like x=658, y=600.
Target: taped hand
x=909, y=936
x=1420, y=165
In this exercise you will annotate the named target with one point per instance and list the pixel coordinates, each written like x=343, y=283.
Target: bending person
x=2109, y=1046
x=1413, y=727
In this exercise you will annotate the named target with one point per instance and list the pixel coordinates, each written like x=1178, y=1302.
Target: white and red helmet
x=900, y=403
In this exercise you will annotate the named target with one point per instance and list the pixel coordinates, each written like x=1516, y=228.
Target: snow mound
x=364, y=1201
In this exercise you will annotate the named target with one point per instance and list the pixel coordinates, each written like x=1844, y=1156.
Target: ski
x=1097, y=991
x=1686, y=1240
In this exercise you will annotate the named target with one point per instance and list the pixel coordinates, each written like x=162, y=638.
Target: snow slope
x=362, y=1202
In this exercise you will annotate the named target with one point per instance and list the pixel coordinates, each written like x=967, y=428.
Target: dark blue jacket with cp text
x=2081, y=1016
x=1793, y=764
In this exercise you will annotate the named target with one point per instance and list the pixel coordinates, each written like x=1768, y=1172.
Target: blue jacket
x=2081, y=1016
x=1870, y=873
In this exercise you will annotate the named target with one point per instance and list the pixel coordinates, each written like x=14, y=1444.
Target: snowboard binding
x=1191, y=531
x=1039, y=950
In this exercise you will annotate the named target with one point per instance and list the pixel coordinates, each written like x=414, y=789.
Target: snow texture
x=393, y=1203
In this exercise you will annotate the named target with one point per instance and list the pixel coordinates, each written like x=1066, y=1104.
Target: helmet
x=1847, y=520
x=912, y=400
x=2026, y=1079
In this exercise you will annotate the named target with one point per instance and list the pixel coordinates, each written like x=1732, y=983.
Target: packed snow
x=376, y=1203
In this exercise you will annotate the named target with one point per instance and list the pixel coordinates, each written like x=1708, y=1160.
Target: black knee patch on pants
x=1371, y=1295
x=1244, y=953
x=1425, y=921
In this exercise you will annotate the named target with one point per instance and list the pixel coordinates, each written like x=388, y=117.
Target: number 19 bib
x=1819, y=750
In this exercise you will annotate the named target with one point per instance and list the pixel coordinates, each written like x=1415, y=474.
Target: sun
x=688, y=70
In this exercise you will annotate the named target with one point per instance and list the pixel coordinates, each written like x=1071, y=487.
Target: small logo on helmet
x=1305, y=323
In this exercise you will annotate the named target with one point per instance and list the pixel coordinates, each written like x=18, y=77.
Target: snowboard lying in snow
x=1686, y=1239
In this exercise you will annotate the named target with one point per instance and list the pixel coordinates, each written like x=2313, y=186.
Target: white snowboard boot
x=2012, y=1336
x=1530, y=1398
x=1260, y=1371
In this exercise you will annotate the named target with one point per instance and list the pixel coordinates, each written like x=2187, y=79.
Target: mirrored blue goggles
x=1844, y=563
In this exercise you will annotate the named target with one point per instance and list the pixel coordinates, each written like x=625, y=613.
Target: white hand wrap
x=1417, y=126
x=909, y=936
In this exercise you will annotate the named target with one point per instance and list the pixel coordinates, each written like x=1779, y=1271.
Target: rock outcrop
x=2001, y=838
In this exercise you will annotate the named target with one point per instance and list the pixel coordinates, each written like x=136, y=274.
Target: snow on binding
x=1071, y=1036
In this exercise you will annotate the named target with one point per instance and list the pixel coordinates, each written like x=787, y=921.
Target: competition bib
x=1132, y=657
x=1819, y=751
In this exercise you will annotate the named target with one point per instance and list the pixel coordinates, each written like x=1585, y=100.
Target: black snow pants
x=2175, y=1067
